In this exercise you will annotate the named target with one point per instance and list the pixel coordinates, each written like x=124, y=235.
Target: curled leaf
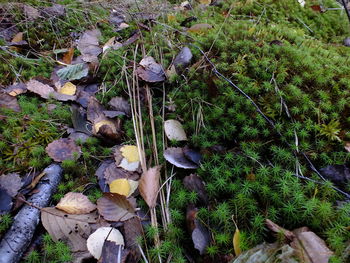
x=149, y=185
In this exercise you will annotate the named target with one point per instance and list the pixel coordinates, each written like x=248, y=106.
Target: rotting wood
x=18, y=238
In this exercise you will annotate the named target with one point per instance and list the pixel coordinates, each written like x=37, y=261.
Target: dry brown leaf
x=16, y=89
x=30, y=12
x=12, y=183
x=9, y=102
x=68, y=57
x=149, y=186
x=174, y=130
x=199, y=28
x=120, y=104
x=150, y=71
x=75, y=203
x=63, y=149
x=132, y=229
x=114, y=207
x=88, y=45
x=17, y=38
x=43, y=90
x=74, y=229
x=112, y=172
x=194, y=183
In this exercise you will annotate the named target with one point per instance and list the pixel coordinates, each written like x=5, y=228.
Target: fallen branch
x=18, y=238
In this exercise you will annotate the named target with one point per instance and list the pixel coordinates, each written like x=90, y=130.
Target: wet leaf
x=150, y=71
x=192, y=155
x=174, y=130
x=9, y=102
x=194, y=183
x=68, y=56
x=237, y=242
x=75, y=203
x=199, y=28
x=73, y=72
x=79, y=120
x=176, y=156
x=120, y=104
x=69, y=89
x=120, y=186
x=63, y=149
x=71, y=228
x=96, y=240
x=17, y=38
x=114, y=207
x=88, y=45
x=149, y=185
x=11, y=182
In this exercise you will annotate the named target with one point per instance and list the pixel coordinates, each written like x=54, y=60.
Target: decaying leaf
x=68, y=56
x=16, y=89
x=112, y=172
x=174, y=130
x=96, y=240
x=150, y=71
x=199, y=28
x=63, y=149
x=192, y=155
x=114, y=207
x=309, y=247
x=68, y=88
x=120, y=104
x=111, y=252
x=11, y=182
x=71, y=228
x=88, y=45
x=54, y=11
x=75, y=203
x=194, y=183
x=237, y=242
x=100, y=173
x=149, y=185
x=120, y=186
x=132, y=229
x=176, y=156
x=9, y=102
x=72, y=72
x=183, y=59
x=127, y=157
x=5, y=201
x=43, y=90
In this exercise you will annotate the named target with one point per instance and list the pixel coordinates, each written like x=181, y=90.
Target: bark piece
x=18, y=238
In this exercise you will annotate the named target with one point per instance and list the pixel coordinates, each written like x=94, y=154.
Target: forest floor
x=197, y=131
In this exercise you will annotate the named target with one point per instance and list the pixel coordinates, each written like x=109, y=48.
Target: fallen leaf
x=102, y=182
x=17, y=38
x=68, y=56
x=194, y=183
x=192, y=155
x=176, y=156
x=205, y=2
x=55, y=10
x=120, y=104
x=96, y=240
x=71, y=228
x=150, y=71
x=113, y=113
x=69, y=89
x=113, y=253
x=337, y=174
x=43, y=90
x=112, y=172
x=73, y=72
x=79, y=120
x=114, y=207
x=63, y=149
x=127, y=157
x=88, y=45
x=120, y=186
x=149, y=185
x=75, y=203
x=9, y=102
x=16, y=89
x=132, y=229
x=183, y=59
x=98, y=125
x=130, y=153
x=111, y=44
x=199, y=28
x=237, y=242
x=82, y=137
x=11, y=182
x=31, y=13
x=347, y=146
x=174, y=130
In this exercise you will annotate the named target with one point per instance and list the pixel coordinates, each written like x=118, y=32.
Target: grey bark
x=18, y=238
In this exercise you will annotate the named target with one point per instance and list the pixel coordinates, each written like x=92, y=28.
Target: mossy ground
x=253, y=177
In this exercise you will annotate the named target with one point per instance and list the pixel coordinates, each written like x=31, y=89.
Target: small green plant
x=331, y=130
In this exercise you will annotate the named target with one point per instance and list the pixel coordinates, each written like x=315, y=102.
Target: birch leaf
x=120, y=186
x=72, y=72
x=68, y=88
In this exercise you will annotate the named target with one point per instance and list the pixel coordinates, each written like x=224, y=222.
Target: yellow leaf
x=18, y=37
x=205, y=2
x=120, y=186
x=99, y=124
x=133, y=186
x=130, y=153
x=69, y=89
x=199, y=28
x=236, y=242
x=171, y=18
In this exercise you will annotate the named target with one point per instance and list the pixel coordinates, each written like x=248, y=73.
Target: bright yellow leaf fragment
x=69, y=89
x=130, y=153
x=120, y=186
x=205, y=2
x=237, y=242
